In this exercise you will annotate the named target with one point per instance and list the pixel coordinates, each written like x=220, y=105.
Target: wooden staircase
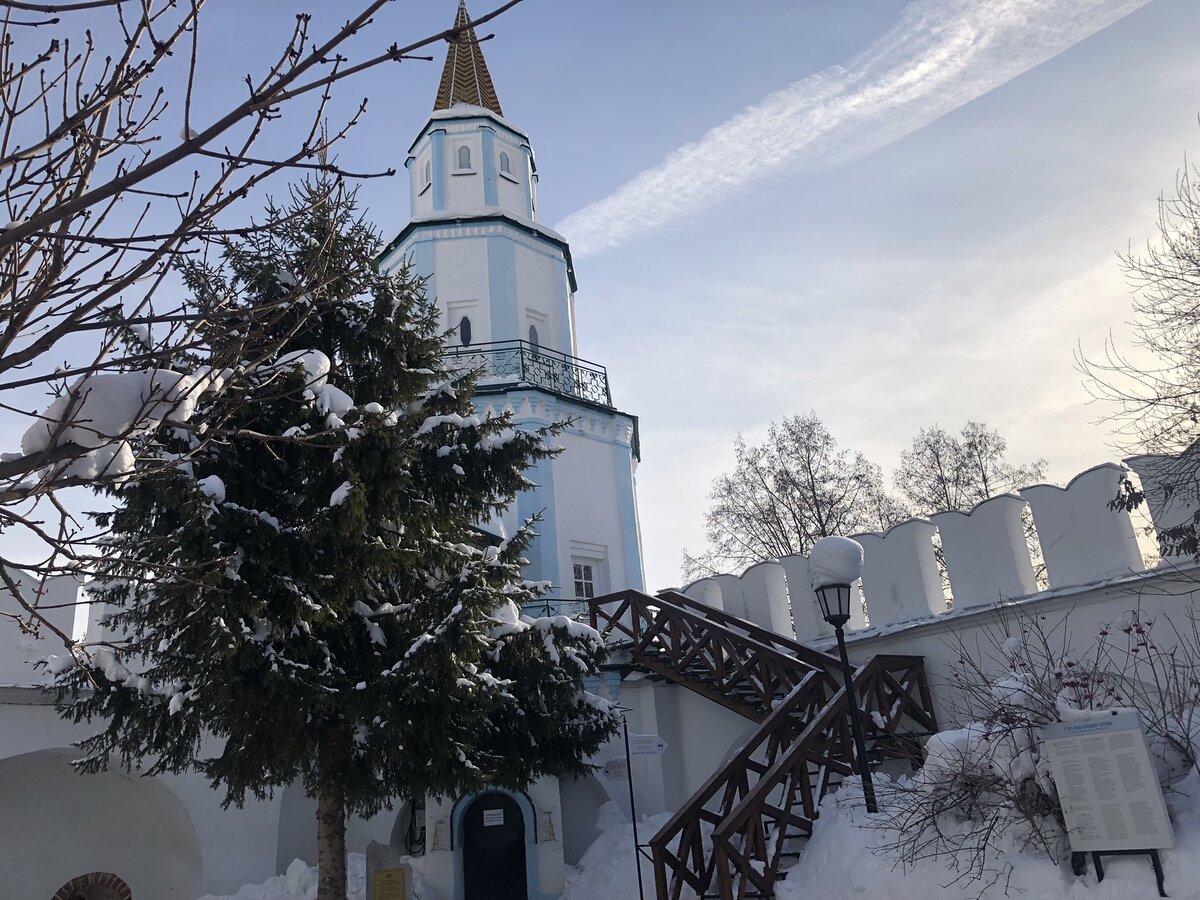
x=732, y=839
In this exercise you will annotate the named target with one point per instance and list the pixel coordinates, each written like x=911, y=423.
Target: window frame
x=459, y=168
x=583, y=574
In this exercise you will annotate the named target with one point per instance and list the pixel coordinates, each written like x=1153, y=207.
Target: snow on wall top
x=1006, y=547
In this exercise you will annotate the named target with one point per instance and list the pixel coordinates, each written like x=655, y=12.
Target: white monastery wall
x=700, y=736
x=56, y=598
x=1094, y=570
x=134, y=826
x=169, y=833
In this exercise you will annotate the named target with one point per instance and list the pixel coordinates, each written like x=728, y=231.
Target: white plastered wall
x=462, y=286
x=585, y=495
x=541, y=287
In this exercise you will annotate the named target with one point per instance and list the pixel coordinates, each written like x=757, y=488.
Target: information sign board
x=1110, y=795
x=390, y=884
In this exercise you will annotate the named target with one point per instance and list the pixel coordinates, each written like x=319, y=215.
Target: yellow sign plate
x=391, y=884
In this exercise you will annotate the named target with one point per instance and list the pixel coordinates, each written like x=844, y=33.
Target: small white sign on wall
x=616, y=769
x=646, y=745
x=493, y=817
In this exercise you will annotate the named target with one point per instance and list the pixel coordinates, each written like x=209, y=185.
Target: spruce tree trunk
x=331, y=845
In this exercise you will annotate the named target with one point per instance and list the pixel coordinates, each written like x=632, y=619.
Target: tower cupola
x=465, y=77
x=468, y=158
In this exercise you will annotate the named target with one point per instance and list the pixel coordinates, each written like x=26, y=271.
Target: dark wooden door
x=494, y=850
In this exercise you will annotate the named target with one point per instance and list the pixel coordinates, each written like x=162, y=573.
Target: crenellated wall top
x=1042, y=539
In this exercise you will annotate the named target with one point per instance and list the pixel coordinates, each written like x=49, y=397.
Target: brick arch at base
x=94, y=886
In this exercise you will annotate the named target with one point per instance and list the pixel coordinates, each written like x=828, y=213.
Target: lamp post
x=834, y=564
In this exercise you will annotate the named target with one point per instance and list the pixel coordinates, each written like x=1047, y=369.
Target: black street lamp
x=834, y=564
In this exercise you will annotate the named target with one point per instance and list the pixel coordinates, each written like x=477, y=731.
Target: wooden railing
x=681, y=858
x=749, y=843
x=740, y=672
x=767, y=793
x=785, y=645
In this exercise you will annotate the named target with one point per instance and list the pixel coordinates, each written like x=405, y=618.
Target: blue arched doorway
x=495, y=847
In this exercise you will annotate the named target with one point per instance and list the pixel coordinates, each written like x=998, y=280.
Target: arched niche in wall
x=94, y=886
x=62, y=831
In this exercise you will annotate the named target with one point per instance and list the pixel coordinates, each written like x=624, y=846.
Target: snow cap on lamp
x=835, y=560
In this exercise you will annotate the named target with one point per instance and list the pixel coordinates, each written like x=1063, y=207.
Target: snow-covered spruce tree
x=320, y=606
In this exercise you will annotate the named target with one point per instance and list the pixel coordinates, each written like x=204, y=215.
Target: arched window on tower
x=533, y=337
x=464, y=331
x=428, y=173
x=505, y=165
x=464, y=157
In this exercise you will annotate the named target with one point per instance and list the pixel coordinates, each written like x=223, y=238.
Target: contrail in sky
x=939, y=56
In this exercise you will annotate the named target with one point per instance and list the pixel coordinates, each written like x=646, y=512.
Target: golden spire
x=465, y=79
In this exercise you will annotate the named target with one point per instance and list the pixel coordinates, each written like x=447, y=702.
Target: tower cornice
x=484, y=216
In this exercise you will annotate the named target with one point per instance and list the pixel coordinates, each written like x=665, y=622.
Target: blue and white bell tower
x=506, y=284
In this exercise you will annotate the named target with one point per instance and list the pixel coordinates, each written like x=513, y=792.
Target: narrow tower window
x=585, y=580
x=464, y=157
x=505, y=165
x=428, y=173
x=464, y=331
x=533, y=337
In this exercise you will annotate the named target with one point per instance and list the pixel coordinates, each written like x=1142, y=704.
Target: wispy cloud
x=939, y=56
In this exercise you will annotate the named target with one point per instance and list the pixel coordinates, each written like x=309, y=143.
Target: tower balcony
x=511, y=364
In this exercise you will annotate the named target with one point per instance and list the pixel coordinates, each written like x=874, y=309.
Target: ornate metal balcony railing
x=503, y=364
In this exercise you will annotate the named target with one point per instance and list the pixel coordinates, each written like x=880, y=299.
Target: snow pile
x=315, y=365
x=100, y=412
x=833, y=865
x=213, y=488
x=835, y=560
x=606, y=871
x=300, y=883
x=101, y=407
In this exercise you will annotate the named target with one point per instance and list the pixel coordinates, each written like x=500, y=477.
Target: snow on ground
x=606, y=871
x=834, y=866
x=300, y=883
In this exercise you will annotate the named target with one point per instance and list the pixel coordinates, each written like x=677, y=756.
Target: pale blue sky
x=933, y=238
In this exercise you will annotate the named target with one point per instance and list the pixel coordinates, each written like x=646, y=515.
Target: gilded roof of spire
x=465, y=79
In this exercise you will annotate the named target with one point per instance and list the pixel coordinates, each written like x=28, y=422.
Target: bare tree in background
x=1156, y=397
x=785, y=494
x=110, y=179
x=943, y=471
